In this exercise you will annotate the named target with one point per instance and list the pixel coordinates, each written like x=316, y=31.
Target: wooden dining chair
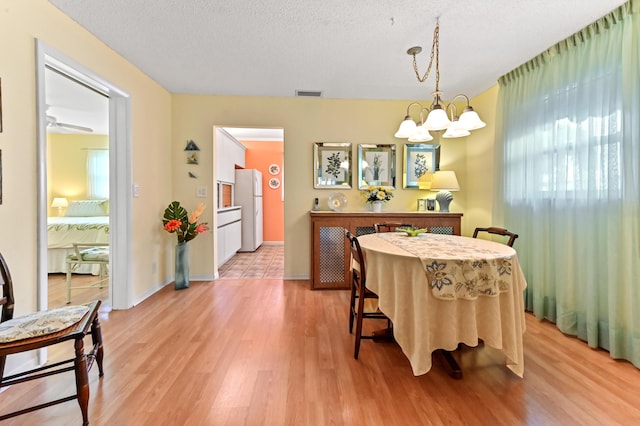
x=390, y=226
x=497, y=231
x=363, y=302
x=46, y=328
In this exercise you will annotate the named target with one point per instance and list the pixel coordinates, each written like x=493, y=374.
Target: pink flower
x=201, y=228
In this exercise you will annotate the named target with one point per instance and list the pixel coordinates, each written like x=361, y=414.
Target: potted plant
x=186, y=227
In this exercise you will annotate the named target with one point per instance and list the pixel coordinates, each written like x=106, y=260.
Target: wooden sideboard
x=330, y=251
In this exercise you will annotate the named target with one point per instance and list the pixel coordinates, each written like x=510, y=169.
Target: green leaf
x=175, y=211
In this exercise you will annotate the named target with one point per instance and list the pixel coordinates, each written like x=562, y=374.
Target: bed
x=85, y=221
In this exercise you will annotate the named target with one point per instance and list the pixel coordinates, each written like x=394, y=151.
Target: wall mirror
x=376, y=165
x=332, y=165
x=419, y=162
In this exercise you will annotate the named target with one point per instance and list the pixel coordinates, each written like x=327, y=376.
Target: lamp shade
x=59, y=202
x=406, y=129
x=470, y=119
x=420, y=135
x=437, y=119
x=455, y=131
x=445, y=180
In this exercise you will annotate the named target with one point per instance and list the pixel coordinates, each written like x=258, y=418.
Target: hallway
x=266, y=262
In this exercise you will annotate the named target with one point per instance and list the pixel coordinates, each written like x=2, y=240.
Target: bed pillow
x=88, y=208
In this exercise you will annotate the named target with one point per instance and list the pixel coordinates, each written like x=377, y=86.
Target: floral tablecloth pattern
x=460, y=268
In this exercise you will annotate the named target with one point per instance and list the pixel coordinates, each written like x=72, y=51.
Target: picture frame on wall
x=376, y=165
x=332, y=165
x=419, y=162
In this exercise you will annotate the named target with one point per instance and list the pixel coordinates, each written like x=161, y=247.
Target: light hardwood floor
x=273, y=352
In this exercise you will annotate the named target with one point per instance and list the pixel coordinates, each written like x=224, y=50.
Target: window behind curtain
x=568, y=152
x=98, y=174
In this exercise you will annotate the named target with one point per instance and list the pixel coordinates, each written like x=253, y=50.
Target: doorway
x=119, y=158
x=77, y=188
x=264, y=151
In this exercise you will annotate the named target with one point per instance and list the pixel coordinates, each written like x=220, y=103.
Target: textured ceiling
x=346, y=49
x=353, y=49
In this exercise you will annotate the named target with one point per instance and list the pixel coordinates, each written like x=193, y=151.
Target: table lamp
x=444, y=181
x=60, y=203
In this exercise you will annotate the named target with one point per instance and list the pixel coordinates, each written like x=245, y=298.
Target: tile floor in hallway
x=266, y=262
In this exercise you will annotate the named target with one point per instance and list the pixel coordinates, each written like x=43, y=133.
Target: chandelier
x=437, y=117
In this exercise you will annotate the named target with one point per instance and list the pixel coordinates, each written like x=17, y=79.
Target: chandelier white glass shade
x=437, y=118
x=415, y=132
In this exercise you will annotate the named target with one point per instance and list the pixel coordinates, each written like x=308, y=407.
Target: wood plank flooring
x=273, y=352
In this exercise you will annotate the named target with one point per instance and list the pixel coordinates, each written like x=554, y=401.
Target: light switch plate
x=201, y=192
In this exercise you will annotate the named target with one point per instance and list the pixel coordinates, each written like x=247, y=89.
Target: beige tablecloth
x=423, y=320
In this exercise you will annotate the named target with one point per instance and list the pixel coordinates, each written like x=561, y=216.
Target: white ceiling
x=346, y=49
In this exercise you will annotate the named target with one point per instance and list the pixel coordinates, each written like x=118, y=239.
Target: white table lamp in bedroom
x=60, y=203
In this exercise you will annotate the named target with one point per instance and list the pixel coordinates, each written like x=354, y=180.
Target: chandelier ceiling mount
x=437, y=117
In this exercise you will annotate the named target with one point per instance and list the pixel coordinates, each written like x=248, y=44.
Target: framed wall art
x=274, y=169
x=332, y=165
x=419, y=161
x=376, y=165
x=274, y=183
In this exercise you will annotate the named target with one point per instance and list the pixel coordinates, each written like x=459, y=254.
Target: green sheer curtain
x=568, y=141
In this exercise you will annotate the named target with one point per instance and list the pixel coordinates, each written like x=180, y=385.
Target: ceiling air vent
x=309, y=93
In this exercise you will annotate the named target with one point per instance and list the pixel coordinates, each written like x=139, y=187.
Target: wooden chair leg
x=352, y=303
x=356, y=350
x=3, y=359
x=82, y=380
x=96, y=337
x=68, y=283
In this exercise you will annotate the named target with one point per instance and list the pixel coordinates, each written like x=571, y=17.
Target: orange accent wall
x=260, y=155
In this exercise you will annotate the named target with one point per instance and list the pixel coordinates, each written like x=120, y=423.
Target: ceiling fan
x=53, y=123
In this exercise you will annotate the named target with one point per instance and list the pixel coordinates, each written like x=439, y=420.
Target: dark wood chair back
x=390, y=226
x=7, y=301
x=363, y=302
x=497, y=231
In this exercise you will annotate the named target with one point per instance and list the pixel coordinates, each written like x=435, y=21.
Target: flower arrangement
x=377, y=193
x=177, y=219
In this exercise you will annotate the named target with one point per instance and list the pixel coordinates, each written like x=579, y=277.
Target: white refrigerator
x=248, y=194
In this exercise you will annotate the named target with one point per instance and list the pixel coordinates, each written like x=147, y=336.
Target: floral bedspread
x=458, y=267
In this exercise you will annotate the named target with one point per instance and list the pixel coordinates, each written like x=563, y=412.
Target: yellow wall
x=306, y=121
x=479, y=165
x=21, y=22
x=160, y=125
x=67, y=165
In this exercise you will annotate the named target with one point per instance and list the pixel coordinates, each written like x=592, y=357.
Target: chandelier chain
x=435, y=51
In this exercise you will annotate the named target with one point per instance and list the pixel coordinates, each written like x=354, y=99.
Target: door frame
x=120, y=174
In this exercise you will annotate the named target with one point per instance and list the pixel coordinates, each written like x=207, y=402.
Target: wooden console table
x=329, y=249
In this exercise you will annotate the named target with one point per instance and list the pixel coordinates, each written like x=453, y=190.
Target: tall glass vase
x=182, y=266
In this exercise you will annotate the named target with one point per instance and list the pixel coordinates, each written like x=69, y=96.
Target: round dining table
x=443, y=290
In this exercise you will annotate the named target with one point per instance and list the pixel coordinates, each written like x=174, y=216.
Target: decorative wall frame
x=419, y=162
x=332, y=165
x=274, y=183
x=192, y=150
x=274, y=169
x=376, y=165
